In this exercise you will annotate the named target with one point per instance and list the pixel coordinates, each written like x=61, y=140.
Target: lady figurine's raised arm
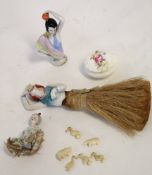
x=60, y=19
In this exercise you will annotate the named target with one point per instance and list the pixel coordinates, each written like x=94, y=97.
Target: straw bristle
x=126, y=104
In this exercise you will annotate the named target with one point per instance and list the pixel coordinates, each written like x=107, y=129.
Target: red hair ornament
x=45, y=16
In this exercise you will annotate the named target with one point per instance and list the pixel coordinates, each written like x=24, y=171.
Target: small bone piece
x=73, y=132
x=97, y=157
x=62, y=154
x=92, y=142
x=69, y=166
x=86, y=160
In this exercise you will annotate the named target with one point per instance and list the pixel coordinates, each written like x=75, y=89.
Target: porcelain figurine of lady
x=50, y=43
x=37, y=96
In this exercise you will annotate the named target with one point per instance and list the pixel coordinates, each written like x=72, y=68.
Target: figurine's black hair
x=50, y=23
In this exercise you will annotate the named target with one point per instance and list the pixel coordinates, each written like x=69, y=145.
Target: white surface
x=123, y=27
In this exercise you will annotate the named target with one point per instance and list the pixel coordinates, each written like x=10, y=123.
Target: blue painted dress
x=47, y=99
x=56, y=43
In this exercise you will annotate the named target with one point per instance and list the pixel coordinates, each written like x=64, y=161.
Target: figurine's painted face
x=37, y=92
x=35, y=119
x=52, y=30
x=51, y=26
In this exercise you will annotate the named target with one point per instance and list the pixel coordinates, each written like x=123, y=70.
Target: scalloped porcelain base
x=54, y=61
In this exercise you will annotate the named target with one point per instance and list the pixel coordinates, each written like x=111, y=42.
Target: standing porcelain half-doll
x=50, y=42
x=37, y=96
x=99, y=64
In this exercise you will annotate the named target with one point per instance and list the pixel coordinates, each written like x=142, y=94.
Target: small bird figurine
x=30, y=140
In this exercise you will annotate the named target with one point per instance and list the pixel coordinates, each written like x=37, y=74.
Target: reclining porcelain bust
x=38, y=96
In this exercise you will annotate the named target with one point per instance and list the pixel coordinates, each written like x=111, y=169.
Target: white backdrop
x=123, y=27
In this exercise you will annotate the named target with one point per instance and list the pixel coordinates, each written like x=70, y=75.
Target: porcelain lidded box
x=99, y=64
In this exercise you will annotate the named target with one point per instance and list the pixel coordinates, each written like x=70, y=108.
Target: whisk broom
x=126, y=104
